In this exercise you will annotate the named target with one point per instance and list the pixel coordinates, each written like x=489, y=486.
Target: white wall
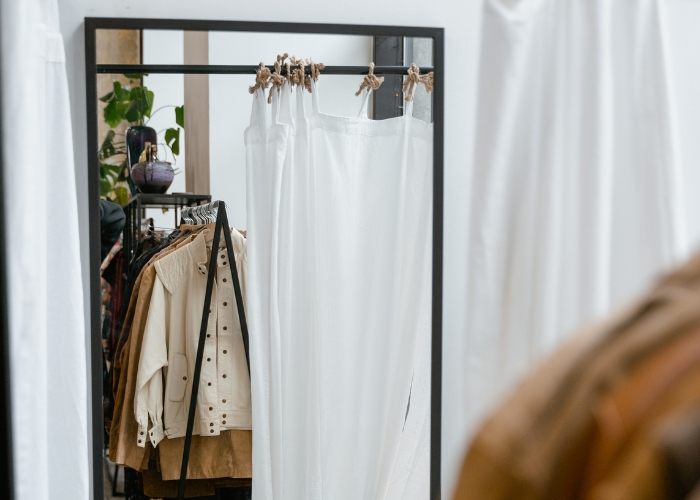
x=461, y=22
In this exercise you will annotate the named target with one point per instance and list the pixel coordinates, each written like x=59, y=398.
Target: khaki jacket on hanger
x=170, y=345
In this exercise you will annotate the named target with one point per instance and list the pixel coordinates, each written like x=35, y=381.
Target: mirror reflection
x=266, y=233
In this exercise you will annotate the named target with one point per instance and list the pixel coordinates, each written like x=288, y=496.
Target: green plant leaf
x=140, y=104
x=112, y=115
x=180, y=116
x=121, y=195
x=107, y=148
x=114, y=170
x=172, y=139
x=132, y=113
x=150, y=96
x=133, y=76
x=107, y=97
x=105, y=187
x=164, y=210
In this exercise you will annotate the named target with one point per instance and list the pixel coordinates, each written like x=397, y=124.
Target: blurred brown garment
x=535, y=445
x=621, y=412
x=695, y=494
x=662, y=459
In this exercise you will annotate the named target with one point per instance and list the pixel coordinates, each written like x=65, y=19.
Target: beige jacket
x=166, y=365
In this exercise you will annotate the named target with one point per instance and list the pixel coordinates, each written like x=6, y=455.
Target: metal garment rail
x=221, y=225
x=214, y=69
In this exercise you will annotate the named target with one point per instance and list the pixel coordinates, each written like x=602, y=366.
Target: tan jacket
x=532, y=446
x=228, y=455
x=124, y=431
x=661, y=460
x=170, y=346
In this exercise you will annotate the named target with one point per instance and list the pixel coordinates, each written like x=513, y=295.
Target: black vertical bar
x=95, y=261
x=221, y=222
x=237, y=291
x=436, y=343
x=387, y=100
x=6, y=470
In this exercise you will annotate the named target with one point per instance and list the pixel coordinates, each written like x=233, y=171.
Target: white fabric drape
x=339, y=232
x=47, y=331
x=576, y=190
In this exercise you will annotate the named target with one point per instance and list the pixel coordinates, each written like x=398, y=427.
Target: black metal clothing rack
x=134, y=214
x=221, y=225
x=241, y=69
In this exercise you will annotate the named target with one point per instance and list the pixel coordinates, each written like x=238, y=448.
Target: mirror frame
x=92, y=24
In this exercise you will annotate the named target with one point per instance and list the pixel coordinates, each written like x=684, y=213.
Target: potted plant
x=132, y=103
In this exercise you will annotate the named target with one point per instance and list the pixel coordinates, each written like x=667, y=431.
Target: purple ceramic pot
x=153, y=177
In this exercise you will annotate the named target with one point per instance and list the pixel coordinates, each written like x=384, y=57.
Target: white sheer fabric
x=47, y=330
x=576, y=200
x=339, y=236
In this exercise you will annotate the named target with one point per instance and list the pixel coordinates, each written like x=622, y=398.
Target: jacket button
x=184, y=378
x=139, y=441
x=208, y=335
x=226, y=328
x=141, y=433
x=224, y=280
x=211, y=425
x=224, y=375
x=208, y=359
x=212, y=431
x=224, y=422
x=224, y=416
x=210, y=408
x=225, y=351
x=223, y=400
x=225, y=303
x=209, y=383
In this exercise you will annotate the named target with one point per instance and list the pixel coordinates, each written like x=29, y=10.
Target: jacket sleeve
x=148, y=401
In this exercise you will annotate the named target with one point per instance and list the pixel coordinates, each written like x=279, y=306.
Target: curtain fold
x=46, y=316
x=576, y=197
x=339, y=235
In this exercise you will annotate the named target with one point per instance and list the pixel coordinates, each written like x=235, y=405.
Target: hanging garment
x=46, y=316
x=339, y=232
x=225, y=456
x=170, y=339
x=593, y=420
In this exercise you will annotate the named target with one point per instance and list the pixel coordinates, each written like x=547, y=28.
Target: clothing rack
x=218, y=208
x=221, y=69
x=134, y=213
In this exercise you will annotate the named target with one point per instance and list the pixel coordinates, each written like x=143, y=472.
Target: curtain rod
x=216, y=69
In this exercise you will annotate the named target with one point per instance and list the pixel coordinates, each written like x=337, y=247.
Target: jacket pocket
x=178, y=377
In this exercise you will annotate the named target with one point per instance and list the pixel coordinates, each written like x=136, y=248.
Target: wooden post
x=196, y=51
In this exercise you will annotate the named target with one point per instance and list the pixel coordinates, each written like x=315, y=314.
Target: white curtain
x=576, y=199
x=339, y=260
x=47, y=331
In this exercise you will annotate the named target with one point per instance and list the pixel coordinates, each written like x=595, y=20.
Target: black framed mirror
x=388, y=45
